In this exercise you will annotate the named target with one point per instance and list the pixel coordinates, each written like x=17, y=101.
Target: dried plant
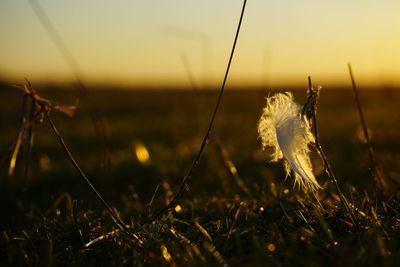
x=41, y=108
x=37, y=107
x=186, y=179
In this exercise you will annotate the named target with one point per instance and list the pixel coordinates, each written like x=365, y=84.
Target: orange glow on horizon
x=146, y=44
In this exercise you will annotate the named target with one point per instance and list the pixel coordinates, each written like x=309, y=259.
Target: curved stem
x=184, y=185
x=119, y=222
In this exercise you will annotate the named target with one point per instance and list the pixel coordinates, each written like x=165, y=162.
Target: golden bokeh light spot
x=271, y=247
x=232, y=168
x=165, y=253
x=142, y=154
x=44, y=162
x=286, y=191
x=178, y=208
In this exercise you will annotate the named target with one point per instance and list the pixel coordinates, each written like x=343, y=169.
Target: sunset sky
x=156, y=42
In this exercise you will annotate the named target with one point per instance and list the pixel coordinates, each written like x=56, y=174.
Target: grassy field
x=251, y=217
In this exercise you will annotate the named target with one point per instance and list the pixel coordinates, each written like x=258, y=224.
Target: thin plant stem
x=39, y=107
x=119, y=222
x=186, y=180
x=327, y=166
x=378, y=182
x=30, y=143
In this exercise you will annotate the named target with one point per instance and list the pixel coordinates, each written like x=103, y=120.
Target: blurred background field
x=150, y=138
x=170, y=125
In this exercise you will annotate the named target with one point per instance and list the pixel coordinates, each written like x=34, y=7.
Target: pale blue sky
x=142, y=42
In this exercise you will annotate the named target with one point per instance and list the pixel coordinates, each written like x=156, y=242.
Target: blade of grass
x=196, y=162
x=379, y=183
x=230, y=166
x=20, y=137
x=328, y=167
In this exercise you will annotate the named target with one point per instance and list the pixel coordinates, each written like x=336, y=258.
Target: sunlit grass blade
x=21, y=133
x=17, y=147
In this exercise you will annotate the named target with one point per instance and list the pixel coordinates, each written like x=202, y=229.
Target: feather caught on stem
x=283, y=127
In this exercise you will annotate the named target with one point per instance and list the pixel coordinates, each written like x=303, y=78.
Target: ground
x=239, y=210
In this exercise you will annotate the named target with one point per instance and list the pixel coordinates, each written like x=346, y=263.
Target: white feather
x=283, y=128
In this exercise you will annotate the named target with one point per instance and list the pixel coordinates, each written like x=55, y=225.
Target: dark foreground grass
x=238, y=212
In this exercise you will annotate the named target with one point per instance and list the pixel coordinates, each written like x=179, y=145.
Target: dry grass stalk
x=311, y=113
x=379, y=181
x=186, y=180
